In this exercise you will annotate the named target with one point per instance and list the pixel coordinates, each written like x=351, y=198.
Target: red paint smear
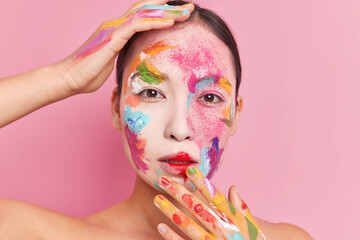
x=164, y=181
x=174, y=189
x=137, y=147
x=162, y=197
x=188, y=200
x=243, y=205
x=204, y=214
x=177, y=219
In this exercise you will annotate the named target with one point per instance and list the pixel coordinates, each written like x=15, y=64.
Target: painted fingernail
x=187, y=5
x=161, y=197
x=186, y=11
x=159, y=200
x=165, y=182
x=191, y=171
x=162, y=228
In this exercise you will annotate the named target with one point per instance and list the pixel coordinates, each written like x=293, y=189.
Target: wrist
x=60, y=73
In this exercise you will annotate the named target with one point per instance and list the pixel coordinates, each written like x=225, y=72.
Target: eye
x=150, y=93
x=210, y=98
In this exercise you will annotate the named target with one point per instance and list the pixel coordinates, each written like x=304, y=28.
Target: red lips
x=181, y=157
x=176, y=164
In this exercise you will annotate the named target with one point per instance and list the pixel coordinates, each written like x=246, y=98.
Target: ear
x=115, y=110
x=236, y=120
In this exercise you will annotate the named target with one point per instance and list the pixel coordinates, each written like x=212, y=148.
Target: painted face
x=177, y=103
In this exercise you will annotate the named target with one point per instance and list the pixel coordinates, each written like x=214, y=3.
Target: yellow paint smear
x=155, y=71
x=250, y=218
x=154, y=19
x=225, y=84
x=114, y=23
x=227, y=113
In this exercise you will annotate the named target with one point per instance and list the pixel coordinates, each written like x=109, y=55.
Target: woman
x=177, y=88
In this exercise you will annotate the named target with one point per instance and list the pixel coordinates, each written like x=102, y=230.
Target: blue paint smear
x=158, y=187
x=204, y=165
x=135, y=120
x=235, y=236
x=163, y=7
x=203, y=83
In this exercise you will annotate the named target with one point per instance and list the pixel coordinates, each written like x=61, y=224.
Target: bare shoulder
x=20, y=220
x=282, y=231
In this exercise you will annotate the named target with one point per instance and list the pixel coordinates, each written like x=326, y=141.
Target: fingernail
x=187, y=5
x=191, y=171
x=165, y=182
x=159, y=200
x=161, y=197
x=162, y=228
x=186, y=11
x=168, y=19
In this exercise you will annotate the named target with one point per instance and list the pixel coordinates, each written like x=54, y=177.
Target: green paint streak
x=232, y=209
x=191, y=170
x=252, y=230
x=177, y=12
x=227, y=122
x=146, y=75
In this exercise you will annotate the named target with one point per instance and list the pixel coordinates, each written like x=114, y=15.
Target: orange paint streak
x=148, y=52
x=225, y=84
x=227, y=112
x=132, y=101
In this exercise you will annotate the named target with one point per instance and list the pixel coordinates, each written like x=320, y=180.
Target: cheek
x=208, y=123
x=212, y=130
x=134, y=122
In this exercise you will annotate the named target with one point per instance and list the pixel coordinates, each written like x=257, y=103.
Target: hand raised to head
x=89, y=66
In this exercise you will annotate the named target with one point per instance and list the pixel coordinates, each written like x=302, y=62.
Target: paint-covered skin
x=219, y=216
x=185, y=84
x=145, y=13
x=88, y=67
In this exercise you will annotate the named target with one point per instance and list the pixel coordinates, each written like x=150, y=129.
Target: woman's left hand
x=224, y=219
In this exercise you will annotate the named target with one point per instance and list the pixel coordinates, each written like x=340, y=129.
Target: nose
x=179, y=127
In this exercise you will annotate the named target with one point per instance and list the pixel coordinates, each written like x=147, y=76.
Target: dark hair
x=211, y=20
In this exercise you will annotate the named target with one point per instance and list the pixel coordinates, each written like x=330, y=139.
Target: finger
x=195, y=206
x=177, y=14
x=146, y=2
x=123, y=34
x=182, y=221
x=216, y=199
x=241, y=206
x=160, y=6
x=167, y=233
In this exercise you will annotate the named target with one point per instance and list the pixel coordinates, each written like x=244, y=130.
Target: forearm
x=27, y=92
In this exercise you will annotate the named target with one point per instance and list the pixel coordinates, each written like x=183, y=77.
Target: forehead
x=195, y=47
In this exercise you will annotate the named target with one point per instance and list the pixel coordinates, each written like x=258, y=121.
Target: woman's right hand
x=89, y=66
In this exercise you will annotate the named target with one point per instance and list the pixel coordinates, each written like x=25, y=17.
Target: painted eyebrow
x=149, y=73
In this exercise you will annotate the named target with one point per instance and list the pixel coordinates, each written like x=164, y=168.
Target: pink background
x=294, y=158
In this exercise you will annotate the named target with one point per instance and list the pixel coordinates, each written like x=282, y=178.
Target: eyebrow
x=149, y=74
